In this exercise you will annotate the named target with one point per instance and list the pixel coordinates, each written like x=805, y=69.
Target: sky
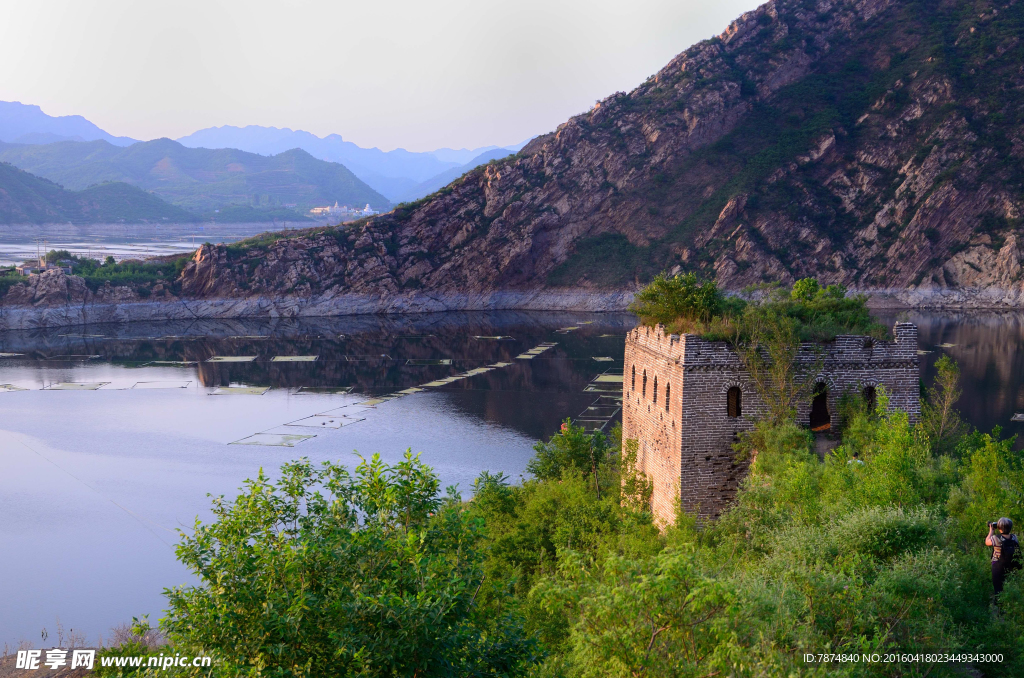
x=415, y=74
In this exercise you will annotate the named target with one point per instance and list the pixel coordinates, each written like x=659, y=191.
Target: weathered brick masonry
x=676, y=404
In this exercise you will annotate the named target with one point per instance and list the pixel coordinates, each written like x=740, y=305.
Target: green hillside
x=242, y=214
x=197, y=179
x=28, y=199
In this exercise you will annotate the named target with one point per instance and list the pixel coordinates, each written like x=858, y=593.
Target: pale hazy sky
x=387, y=73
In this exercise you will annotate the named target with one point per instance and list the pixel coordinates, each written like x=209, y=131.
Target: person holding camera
x=1005, y=552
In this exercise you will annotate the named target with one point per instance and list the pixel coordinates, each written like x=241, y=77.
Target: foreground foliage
x=325, y=573
x=565, y=575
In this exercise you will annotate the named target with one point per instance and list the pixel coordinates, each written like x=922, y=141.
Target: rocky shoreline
x=55, y=300
x=115, y=307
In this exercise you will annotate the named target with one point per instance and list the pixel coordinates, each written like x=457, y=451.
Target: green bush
x=324, y=573
x=571, y=448
x=682, y=297
x=882, y=533
x=684, y=304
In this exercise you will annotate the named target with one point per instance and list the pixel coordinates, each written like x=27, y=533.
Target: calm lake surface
x=120, y=431
x=112, y=436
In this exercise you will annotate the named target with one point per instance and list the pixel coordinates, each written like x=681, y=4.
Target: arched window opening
x=734, y=402
x=668, y=395
x=655, y=391
x=632, y=380
x=870, y=399
x=821, y=420
x=643, y=387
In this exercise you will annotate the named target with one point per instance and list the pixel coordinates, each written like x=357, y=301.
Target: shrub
x=571, y=448
x=666, y=300
x=684, y=304
x=325, y=573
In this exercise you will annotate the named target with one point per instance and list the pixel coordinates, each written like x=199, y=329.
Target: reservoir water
x=111, y=437
x=20, y=243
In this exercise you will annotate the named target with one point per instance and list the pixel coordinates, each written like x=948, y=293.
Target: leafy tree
x=941, y=421
x=636, y=489
x=571, y=448
x=529, y=526
x=656, y=616
x=991, y=485
x=809, y=290
x=666, y=300
x=768, y=344
x=805, y=290
x=325, y=573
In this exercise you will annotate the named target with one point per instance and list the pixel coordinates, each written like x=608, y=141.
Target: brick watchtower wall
x=652, y=355
x=684, y=429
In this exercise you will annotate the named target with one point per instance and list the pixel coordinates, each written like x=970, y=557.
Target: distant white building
x=343, y=211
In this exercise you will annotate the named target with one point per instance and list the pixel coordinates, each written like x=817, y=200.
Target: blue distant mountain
x=24, y=124
x=197, y=179
x=441, y=180
x=398, y=175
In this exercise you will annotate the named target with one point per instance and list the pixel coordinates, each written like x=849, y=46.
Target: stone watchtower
x=686, y=399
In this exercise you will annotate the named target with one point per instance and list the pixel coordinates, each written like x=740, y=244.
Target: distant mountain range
x=441, y=180
x=28, y=199
x=24, y=124
x=197, y=179
x=397, y=175
x=400, y=175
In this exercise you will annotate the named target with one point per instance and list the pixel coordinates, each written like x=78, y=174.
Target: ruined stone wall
x=686, y=450
x=710, y=471
x=658, y=432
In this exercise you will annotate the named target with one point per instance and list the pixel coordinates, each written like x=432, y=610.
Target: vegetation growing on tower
x=685, y=305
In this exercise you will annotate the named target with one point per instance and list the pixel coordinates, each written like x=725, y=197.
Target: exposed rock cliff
x=877, y=143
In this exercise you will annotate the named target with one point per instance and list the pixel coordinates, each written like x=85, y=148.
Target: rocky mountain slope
x=876, y=143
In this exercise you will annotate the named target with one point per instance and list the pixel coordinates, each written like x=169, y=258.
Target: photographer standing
x=1005, y=558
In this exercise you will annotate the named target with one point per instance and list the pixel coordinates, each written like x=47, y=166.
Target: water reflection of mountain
x=989, y=348
x=373, y=355
x=448, y=323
